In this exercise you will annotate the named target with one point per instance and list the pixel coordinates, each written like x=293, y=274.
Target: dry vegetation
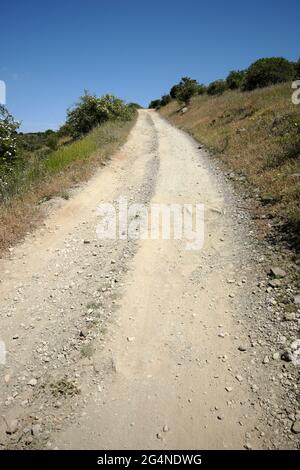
x=257, y=134
x=52, y=177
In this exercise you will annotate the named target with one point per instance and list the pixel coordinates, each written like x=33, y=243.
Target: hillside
x=257, y=135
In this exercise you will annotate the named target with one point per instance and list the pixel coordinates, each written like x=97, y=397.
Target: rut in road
x=118, y=344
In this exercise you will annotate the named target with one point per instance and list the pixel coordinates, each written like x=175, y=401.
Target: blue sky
x=52, y=50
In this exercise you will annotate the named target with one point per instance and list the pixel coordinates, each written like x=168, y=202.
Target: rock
x=295, y=345
x=13, y=427
x=289, y=316
x=36, y=429
x=266, y=360
x=166, y=428
x=16, y=336
x=130, y=338
x=239, y=378
x=83, y=333
x=276, y=356
x=286, y=356
x=86, y=242
x=184, y=110
x=297, y=299
x=228, y=389
x=6, y=378
x=248, y=446
x=277, y=272
x=159, y=436
x=242, y=347
x=32, y=382
x=275, y=283
x=296, y=427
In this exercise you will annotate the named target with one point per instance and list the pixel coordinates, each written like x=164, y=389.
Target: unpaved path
x=137, y=344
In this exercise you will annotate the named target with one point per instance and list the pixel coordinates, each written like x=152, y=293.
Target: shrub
x=269, y=71
x=174, y=90
x=154, y=104
x=165, y=99
x=91, y=111
x=297, y=67
x=235, y=79
x=201, y=89
x=187, y=88
x=217, y=87
x=134, y=106
x=8, y=137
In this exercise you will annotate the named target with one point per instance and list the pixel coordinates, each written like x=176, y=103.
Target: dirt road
x=139, y=344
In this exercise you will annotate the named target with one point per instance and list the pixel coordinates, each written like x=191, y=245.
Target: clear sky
x=51, y=51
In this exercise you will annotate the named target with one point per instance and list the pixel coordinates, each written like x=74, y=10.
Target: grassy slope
x=40, y=180
x=257, y=134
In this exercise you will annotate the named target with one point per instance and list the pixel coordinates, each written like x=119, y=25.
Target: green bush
x=91, y=111
x=235, y=79
x=8, y=137
x=187, y=88
x=134, y=106
x=174, y=90
x=217, y=87
x=165, y=99
x=154, y=104
x=297, y=67
x=269, y=71
x=201, y=89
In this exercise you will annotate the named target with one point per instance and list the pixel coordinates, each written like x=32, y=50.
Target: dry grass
x=257, y=134
x=21, y=209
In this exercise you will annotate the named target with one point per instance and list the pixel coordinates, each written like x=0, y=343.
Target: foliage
x=235, y=79
x=174, y=90
x=217, y=87
x=91, y=111
x=269, y=71
x=297, y=67
x=165, y=99
x=154, y=104
x=201, y=89
x=186, y=88
x=8, y=137
x=42, y=142
x=134, y=106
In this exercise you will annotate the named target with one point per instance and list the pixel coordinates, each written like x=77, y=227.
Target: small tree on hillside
x=154, y=104
x=165, y=99
x=187, y=88
x=269, y=71
x=201, y=89
x=174, y=90
x=91, y=111
x=217, y=87
x=235, y=79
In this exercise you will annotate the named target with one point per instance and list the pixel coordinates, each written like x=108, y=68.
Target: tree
x=165, y=99
x=235, y=79
x=154, y=104
x=187, y=88
x=269, y=71
x=174, y=90
x=217, y=87
x=91, y=111
x=297, y=67
x=201, y=89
